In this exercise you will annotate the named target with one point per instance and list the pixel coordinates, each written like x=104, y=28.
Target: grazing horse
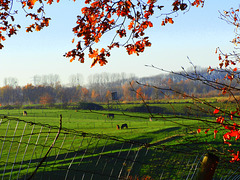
x=118, y=127
x=110, y=116
x=24, y=113
x=124, y=126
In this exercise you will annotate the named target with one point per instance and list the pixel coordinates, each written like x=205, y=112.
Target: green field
x=93, y=132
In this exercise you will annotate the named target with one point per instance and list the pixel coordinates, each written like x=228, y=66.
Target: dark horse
x=110, y=116
x=124, y=126
x=24, y=113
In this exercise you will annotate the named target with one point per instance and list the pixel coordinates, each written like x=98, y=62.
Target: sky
x=195, y=34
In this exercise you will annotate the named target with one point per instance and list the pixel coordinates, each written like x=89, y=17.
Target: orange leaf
x=46, y=21
x=111, y=22
x=103, y=62
x=102, y=50
x=130, y=26
x=170, y=20
x=71, y=60
x=94, y=62
x=31, y=3
x=38, y=28
x=235, y=69
x=93, y=54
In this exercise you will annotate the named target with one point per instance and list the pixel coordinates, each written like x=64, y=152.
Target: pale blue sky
x=195, y=34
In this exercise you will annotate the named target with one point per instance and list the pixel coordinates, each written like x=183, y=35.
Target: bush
x=89, y=106
x=36, y=106
x=7, y=107
x=144, y=109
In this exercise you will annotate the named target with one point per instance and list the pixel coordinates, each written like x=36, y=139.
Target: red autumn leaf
x=216, y=111
x=235, y=157
x=50, y=2
x=150, y=24
x=2, y=38
x=198, y=3
x=199, y=130
x=1, y=46
x=221, y=65
x=233, y=112
x=235, y=69
x=230, y=77
x=220, y=57
x=224, y=90
x=215, y=133
x=232, y=62
x=220, y=119
x=226, y=63
x=226, y=142
x=207, y=131
x=12, y=31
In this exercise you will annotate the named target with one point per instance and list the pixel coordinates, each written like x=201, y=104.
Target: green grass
x=163, y=130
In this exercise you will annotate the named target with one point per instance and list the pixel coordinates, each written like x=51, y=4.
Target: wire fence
x=30, y=150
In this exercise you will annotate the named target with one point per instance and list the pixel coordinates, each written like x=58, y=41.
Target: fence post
x=208, y=166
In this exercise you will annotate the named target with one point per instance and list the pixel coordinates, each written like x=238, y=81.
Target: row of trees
x=99, y=89
x=54, y=80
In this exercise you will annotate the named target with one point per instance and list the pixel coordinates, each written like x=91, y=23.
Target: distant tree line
x=48, y=89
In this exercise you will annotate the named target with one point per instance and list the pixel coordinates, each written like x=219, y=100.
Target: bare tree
x=11, y=81
x=76, y=79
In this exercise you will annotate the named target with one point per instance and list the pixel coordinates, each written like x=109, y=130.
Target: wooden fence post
x=208, y=167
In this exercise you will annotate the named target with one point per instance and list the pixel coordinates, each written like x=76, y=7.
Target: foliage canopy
x=128, y=18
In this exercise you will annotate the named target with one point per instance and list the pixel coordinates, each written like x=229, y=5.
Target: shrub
x=144, y=109
x=89, y=106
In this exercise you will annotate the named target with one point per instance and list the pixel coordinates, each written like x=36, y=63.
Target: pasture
x=92, y=132
x=97, y=122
